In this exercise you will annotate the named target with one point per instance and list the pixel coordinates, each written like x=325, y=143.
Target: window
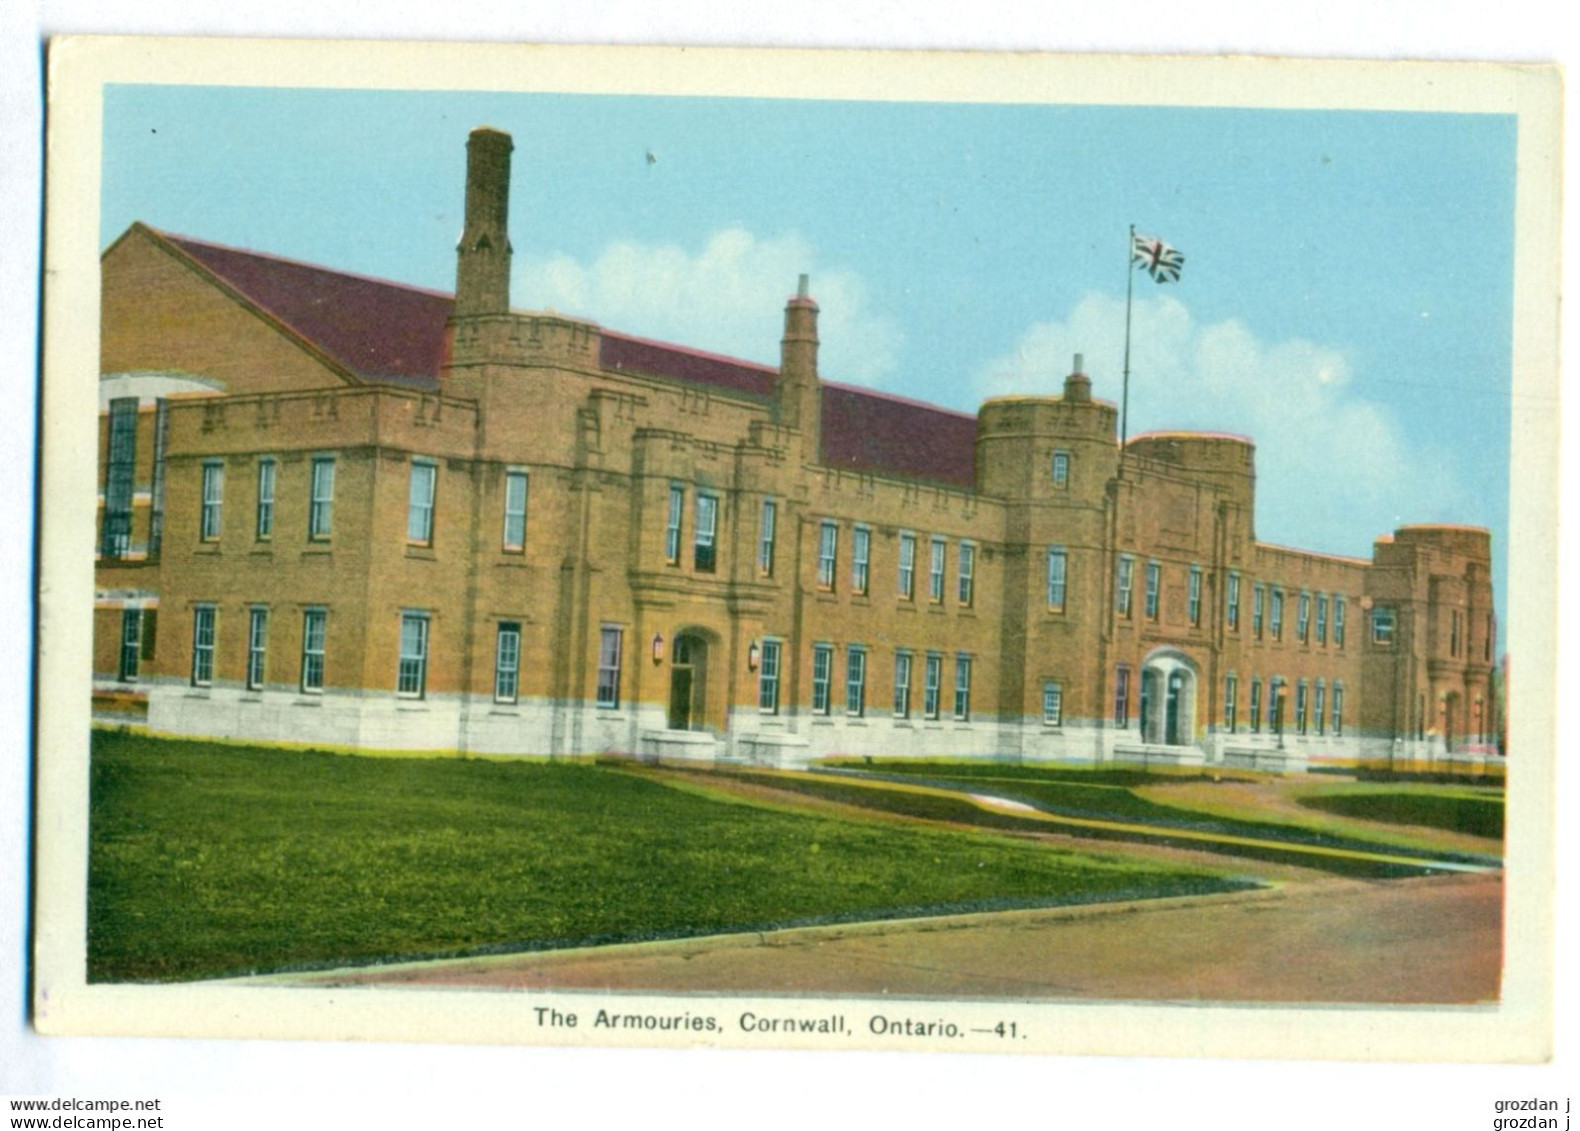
x=1382, y=626
x=1052, y=703
x=1231, y=696
x=1154, y=583
x=1257, y=593
x=768, y=678
x=1256, y=706
x=131, y=643
x=515, y=532
x=856, y=682
x=935, y=571
x=932, y=678
x=412, y=679
x=213, y=499
x=1322, y=619
x=115, y=538
x=677, y=503
x=1338, y=622
x=1319, y=705
x=156, y=511
x=822, y=676
x=257, y=648
x=609, y=666
x=1303, y=618
x=705, y=539
x=1061, y=469
x=315, y=625
x=963, y=688
x=827, y=553
x=1300, y=707
x=860, y=557
x=265, y=527
x=507, y=662
x=907, y=579
x=1122, y=696
x=1127, y=569
x=1231, y=602
x=1275, y=614
x=1453, y=632
x=902, y=685
x=1193, y=604
x=1057, y=565
x=419, y=503
x=203, y=645
x=1338, y=708
x=1275, y=705
x=765, y=538
x=1486, y=644
x=968, y=559
x=321, y=508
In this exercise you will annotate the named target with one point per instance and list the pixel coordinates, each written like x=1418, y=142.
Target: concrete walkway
x=1435, y=940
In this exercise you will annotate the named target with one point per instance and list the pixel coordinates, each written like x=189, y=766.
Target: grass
x=1459, y=811
x=211, y=859
x=1283, y=844
x=1109, y=794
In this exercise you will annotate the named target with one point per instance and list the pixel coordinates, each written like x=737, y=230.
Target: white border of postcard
x=1517, y=1029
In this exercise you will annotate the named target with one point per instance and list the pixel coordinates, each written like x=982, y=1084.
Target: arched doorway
x=1168, y=699
x=688, y=681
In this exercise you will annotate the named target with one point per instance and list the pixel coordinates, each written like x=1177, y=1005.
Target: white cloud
x=726, y=297
x=1334, y=470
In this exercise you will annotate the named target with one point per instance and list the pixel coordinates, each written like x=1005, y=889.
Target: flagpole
x=1124, y=398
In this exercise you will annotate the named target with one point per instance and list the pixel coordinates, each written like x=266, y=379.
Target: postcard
x=838, y=550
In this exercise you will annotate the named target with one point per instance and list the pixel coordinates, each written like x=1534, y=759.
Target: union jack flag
x=1157, y=259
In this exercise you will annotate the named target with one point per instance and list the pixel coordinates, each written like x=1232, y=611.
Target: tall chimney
x=482, y=269
x=798, y=395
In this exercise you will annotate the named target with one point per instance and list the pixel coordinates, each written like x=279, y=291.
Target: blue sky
x=1346, y=298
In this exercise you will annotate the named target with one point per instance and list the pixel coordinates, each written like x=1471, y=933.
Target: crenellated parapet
x=523, y=340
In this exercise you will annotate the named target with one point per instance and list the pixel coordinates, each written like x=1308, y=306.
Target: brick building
x=341, y=511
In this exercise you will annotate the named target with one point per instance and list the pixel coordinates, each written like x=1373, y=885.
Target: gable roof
x=376, y=330
x=389, y=333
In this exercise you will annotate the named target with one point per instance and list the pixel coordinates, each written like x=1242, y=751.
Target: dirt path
x=1432, y=940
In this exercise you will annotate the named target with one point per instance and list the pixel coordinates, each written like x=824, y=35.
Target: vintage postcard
x=784, y=549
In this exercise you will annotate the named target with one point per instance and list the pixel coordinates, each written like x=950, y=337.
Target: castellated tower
x=1052, y=449
x=482, y=274
x=510, y=363
x=798, y=393
x=1052, y=460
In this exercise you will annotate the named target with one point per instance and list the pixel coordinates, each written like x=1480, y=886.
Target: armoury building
x=337, y=511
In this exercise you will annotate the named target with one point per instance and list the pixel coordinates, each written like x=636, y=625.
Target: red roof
x=390, y=333
x=378, y=331
x=660, y=359
x=868, y=431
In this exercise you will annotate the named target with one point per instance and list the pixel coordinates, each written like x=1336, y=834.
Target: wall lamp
x=753, y=654
x=658, y=647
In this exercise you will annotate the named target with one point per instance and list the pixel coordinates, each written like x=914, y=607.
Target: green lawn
x=211, y=859
x=1479, y=813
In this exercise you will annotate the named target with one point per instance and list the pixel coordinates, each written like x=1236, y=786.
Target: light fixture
x=752, y=655
x=658, y=647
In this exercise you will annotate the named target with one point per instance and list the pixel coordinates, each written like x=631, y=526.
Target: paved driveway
x=1431, y=940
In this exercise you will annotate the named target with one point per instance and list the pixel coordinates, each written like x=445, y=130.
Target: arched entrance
x=688, y=681
x=1168, y=699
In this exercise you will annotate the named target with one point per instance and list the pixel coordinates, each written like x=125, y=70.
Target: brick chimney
x=482, y=270
x=798, y=395
x=1078, y=386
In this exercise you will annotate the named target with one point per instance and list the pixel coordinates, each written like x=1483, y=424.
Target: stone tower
x=482, y=271
x=798, y=394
